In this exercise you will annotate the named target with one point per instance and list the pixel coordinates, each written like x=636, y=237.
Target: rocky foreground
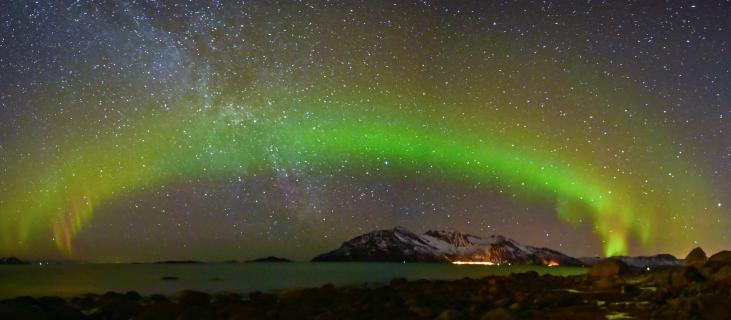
x=701, y=289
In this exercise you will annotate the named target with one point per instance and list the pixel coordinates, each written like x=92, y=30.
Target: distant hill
x=11, y=260
x=656, y=261
x=270, y=259
x=178, y=262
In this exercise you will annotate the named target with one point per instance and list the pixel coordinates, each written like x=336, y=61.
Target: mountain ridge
x=402, y=245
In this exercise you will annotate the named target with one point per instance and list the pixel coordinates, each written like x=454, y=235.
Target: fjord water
x=75, y=279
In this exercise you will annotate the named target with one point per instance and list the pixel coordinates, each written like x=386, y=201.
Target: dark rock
x=133, y=295
x=160, y=310
x=262, y=298
x=696, y=257
x=719, y=260
x=178, y=262
x=421, y=311
x=159, y=298
x=227, y=298
x=714, y=306
x=529, y=275
x=25, y=312
x=450, y=314
x=498, y=314
x=556, y=298
x=118, y=306
x=194, y=298
x=608, y=268
x=327, y=315
x=718, y=266
x=169, y=278
x=574, y=313
x=64, y=312
x=23, y=300
x=396, y=282
x=85, y=301
x=196, y=312
x=50, y=301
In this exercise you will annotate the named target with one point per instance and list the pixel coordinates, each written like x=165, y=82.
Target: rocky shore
x=701, y=289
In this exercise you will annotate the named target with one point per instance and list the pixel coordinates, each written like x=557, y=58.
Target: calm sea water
x=71, y=280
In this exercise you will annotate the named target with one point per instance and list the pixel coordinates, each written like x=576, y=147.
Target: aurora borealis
x=156, y=130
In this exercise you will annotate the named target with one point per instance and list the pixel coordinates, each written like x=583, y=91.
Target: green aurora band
x=224, y=141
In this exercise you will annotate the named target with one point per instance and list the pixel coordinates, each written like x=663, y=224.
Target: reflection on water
x=71, y=280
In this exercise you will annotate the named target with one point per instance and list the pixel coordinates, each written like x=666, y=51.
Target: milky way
x=154, y=130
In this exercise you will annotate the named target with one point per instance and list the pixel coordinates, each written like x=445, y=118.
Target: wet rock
x=133, y=295
x=696, y=257
x=18, y=311
x=714, y=306
x=683, y=277
x=421, y=311
x=397, y=282
x=22, y=300
x=574, y=313
x=450, y=314
x=159, y=310
x=720, y=258
x=51, y=301
x=228, y=298
x=262, y=298
x=529, y=275
x=159, y=298
x=552, y=299
x=327, y=315
x=608, y=268
x=196, y=312
x=85, y=302
x=118, y=306
x=64, y=312
x=718, y=266
x=498, y=314
x=194, y=298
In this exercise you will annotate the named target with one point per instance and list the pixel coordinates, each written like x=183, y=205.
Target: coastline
x=610, y=290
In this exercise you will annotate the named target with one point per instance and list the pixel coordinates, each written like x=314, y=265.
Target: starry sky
x=150, y=130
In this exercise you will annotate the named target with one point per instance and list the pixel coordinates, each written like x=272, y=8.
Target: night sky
x=164, y=130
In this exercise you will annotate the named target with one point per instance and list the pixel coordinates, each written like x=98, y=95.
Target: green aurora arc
x=224, y=141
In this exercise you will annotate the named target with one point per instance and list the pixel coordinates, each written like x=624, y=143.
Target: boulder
x=160, y=310
x=450, y=314
x=714, y=306
x=718, y=266
x=118, y=306
x=608, y=268
x=194, y=298
x=196, y=313
x=498, y=314
x=696, y=257
x=720, y=258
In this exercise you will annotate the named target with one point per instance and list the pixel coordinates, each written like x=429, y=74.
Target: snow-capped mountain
x=400, y=244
